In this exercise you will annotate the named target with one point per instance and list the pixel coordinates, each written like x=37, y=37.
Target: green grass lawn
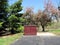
x=57, y=32
x=7, y=40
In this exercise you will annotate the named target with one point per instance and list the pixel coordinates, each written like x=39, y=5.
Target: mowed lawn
x=57, y=32
x=7, y=40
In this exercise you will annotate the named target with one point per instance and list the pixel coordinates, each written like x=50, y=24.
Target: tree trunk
x=12, y=31
x=39, y=28
x=43, y=29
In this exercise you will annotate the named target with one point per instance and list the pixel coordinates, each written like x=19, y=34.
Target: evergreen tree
x=16, y=7
x=3, y=9
x=3, y=15
x=7, y=11
x=14, y=10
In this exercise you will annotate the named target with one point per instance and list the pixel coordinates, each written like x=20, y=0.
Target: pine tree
x=14, y=11
x=16, y=7
x=3, y=15
x=3, y=9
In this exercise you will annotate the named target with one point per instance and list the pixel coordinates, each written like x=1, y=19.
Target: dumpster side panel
x=30, y=30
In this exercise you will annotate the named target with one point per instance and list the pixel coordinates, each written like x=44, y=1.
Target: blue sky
x=36, y=4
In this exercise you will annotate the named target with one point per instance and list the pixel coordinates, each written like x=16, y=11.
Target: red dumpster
x=30, y=30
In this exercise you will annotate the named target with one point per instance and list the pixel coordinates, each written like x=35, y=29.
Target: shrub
x=1, y=24
x=20, y=28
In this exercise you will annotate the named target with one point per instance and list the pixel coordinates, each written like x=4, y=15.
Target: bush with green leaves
x=13, y=24
x=20, y=28
x=21, y=19
x=1, y=24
